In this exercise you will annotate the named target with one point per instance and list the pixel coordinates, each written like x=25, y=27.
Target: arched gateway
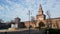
x=41, y=24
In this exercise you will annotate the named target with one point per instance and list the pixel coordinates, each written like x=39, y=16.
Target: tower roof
x=40, y=6
x=17, y=18
x=40, y=11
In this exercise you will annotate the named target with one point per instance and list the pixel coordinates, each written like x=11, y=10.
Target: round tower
x=17, y=20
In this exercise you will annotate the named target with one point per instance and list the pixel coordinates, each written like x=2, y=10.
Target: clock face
x=40, y=18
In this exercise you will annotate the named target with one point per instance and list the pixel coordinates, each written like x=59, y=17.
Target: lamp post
x=49, y=24
x=29, y=21
x=29, y=13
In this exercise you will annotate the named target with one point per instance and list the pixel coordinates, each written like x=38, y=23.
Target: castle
x=40, y=21
x=41, y=18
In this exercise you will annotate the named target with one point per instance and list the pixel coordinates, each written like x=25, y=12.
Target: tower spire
x=40, y=11
x=40, y=7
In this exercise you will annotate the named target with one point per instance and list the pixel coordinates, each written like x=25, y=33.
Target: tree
x=32, y=19
x=49, y=16
x=1, y=21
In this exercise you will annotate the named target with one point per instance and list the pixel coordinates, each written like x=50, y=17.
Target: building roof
x=55, y=18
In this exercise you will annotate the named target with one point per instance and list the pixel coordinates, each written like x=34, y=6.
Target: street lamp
x=49, y=24
x=29, y=13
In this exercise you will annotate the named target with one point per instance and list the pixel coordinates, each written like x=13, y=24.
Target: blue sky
x=9, y=9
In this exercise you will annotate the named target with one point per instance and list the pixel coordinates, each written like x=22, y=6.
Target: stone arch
x=41, y=24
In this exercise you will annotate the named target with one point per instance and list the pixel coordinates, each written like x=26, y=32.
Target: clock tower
x=40, y=17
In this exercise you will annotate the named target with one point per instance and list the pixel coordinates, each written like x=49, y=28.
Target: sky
x=10, y=9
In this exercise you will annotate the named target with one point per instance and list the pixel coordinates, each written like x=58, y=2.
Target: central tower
x=40, y=11
x=40, y=17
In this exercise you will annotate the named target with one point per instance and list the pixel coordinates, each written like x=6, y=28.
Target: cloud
x=13, y=10
x=9, y=9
